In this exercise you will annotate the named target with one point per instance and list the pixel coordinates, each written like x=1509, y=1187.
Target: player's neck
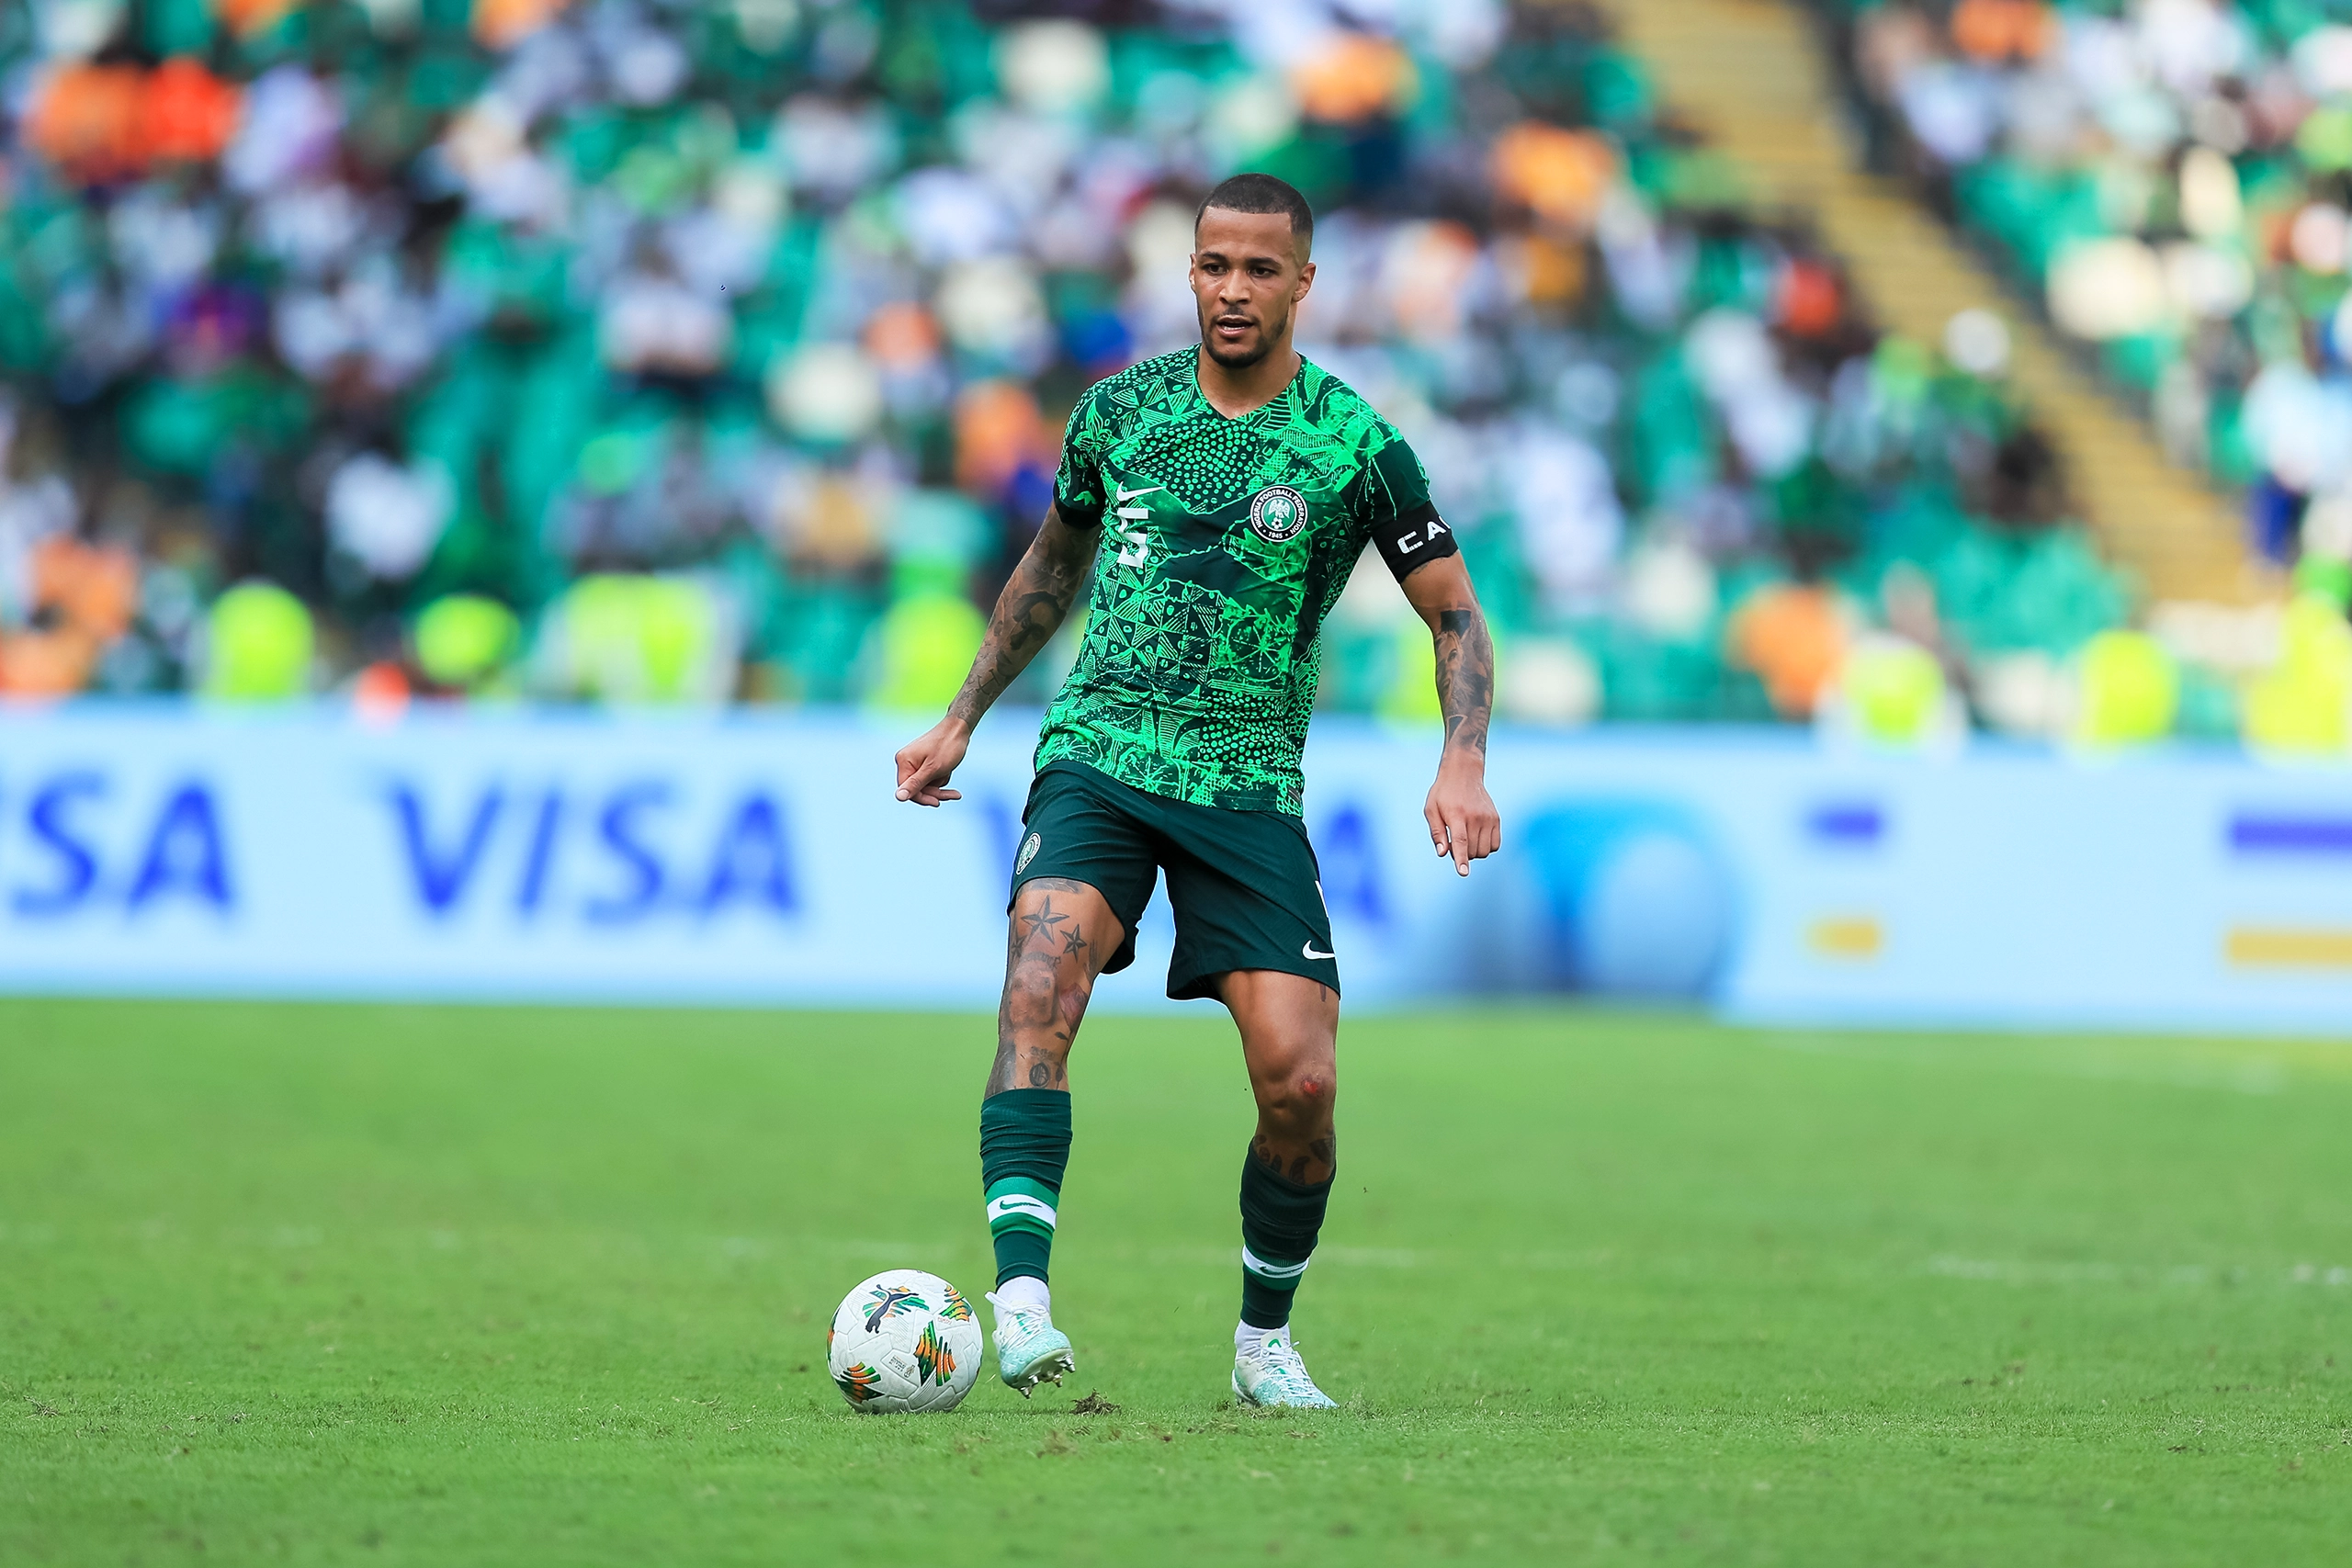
x=1235, y=391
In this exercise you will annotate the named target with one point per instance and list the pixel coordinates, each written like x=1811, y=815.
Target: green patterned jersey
x=1225, y=544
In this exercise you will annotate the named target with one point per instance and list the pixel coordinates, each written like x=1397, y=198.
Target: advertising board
x=742, y=858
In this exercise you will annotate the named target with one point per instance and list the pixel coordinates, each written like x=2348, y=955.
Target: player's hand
x=926, y=763
x=1462, y=816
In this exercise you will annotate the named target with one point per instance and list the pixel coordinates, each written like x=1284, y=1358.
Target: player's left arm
x=1393, y=495
x=1462, y=821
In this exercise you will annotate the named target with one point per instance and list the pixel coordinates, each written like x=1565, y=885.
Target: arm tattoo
x=1030, y=610
x=1465, y=677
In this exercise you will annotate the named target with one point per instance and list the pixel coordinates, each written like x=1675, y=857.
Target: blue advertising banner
x=748, y=858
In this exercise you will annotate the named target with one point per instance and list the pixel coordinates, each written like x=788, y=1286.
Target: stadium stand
x=670, y=352
x=2168, y=182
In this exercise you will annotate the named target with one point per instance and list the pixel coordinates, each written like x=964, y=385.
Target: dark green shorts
x=1244, y=884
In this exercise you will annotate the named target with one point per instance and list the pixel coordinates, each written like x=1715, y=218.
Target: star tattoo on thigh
x=1043, y=922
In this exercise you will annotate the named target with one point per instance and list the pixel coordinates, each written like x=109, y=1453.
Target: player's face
x=1248, y=275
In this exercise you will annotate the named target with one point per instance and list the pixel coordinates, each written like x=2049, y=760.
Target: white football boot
x=1029, y=1348
x=1271, y=1376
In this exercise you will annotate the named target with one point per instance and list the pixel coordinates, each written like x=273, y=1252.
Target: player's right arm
x=1036, y=601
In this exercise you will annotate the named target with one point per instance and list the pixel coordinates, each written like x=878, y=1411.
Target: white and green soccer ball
x=904, y=1341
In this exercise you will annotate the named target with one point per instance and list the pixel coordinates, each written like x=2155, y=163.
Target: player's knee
x=1037, y=997
x=1301, y=1098
x=1029, y=995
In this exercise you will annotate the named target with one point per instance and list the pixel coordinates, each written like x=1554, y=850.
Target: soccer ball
x=904, y=1340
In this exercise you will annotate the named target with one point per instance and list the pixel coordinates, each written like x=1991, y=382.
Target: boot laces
x=1283, y=1363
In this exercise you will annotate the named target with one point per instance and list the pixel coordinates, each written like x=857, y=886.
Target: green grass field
x=452, y=1285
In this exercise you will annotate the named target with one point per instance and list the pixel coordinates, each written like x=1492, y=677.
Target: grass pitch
x=403, y=1285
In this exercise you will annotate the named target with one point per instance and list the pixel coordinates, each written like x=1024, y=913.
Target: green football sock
x=1024, y=1146
x=1280, y=1220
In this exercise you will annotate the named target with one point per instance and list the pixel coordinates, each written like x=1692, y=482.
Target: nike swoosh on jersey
x=1126, y=495
x=1308, y=949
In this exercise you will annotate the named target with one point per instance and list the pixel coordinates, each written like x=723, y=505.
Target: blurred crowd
x=716, y=350
x=2174, y=178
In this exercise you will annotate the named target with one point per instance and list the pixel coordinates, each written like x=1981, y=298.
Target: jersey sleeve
x=1078, y=484
x=1396, y=512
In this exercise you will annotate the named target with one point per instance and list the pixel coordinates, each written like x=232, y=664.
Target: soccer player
x=1219, y=497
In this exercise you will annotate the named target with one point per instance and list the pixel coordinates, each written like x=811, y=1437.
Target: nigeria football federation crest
x=1028, y=853
x=1278, y=513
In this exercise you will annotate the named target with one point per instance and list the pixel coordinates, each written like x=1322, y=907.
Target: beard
x=1242, y=356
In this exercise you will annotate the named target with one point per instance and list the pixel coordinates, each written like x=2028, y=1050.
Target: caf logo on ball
x=1278, y=513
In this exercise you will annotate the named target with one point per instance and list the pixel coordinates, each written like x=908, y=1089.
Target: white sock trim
x=1021, y=1203
x=1272, y=1273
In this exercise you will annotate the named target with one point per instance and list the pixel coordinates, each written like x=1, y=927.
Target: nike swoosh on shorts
x=1308, y=949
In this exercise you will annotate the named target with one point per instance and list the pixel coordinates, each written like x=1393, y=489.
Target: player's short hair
x=1264, y=193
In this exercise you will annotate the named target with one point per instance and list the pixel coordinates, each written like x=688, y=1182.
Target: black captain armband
x=1417, y=538
x=1080, y=515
